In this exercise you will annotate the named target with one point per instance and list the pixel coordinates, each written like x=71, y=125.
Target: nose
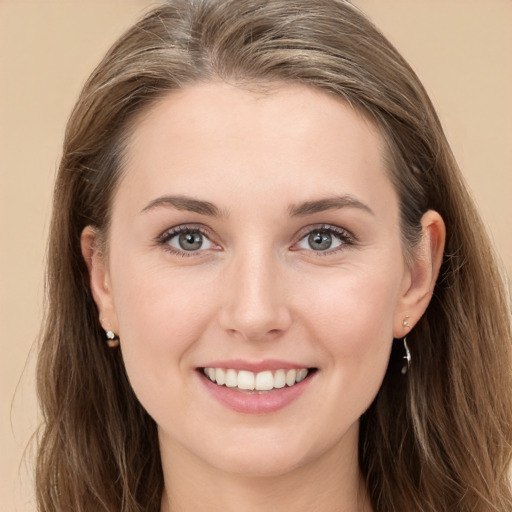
x=254, y=303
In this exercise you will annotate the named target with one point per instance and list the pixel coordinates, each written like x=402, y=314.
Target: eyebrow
x=183, y=203
x=302, y=209
x=330, y=203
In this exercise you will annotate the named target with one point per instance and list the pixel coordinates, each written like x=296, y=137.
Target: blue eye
x=188, y=240
x=324, y=239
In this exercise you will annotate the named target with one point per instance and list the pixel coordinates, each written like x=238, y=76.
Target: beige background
x=460, y=49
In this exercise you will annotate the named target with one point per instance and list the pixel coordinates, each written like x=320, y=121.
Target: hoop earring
x=407, y=357
x=112, y=339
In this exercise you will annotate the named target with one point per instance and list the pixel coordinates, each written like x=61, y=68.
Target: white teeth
x=231, y=379
x=280, y=379
x=220, y=376
x=291, y=375
x=245, y=380
x=301, y=375
x=262, y=381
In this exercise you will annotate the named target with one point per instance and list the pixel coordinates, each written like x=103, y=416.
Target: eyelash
x=164, y=238
x=344, y=236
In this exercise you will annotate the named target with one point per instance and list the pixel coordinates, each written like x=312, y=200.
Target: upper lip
x=255, y=366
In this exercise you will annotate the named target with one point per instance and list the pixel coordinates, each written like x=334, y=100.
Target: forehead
x=215, y=137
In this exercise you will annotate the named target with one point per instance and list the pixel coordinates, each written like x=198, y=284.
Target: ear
x=422, y=274
x=99, y=278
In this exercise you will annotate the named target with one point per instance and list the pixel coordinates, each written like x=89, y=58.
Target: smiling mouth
x=260, y=382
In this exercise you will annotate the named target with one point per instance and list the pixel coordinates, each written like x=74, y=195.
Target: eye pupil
x=190, y=241
x=320, y=240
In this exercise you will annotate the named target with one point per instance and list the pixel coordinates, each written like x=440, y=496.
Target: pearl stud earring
x=112, y=339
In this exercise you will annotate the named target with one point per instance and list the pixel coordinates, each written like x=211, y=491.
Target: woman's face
x=254, y=235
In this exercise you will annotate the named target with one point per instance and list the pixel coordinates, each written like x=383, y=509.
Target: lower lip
x=254, y=403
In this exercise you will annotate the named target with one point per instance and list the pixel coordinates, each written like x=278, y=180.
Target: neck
x=331, y=483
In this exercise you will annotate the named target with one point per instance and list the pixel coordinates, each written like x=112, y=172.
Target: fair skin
x=294, y=262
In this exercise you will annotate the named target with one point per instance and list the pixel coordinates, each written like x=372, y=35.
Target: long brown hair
x=434, y=440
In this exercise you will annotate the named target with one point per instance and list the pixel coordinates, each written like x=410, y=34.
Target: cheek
x=351, y=317
x=157, y=304
x=353, y=325
x=159, y=324
x=362, y=298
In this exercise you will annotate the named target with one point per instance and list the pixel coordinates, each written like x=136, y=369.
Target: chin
x=267, y=455
x=270, y=463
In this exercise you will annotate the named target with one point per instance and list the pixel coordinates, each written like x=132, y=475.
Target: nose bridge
x=254, y=304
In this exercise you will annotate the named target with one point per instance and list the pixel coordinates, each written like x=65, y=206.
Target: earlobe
x=423, y=273
x=99, y=279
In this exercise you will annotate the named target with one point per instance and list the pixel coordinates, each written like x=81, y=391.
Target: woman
x=268, y=286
